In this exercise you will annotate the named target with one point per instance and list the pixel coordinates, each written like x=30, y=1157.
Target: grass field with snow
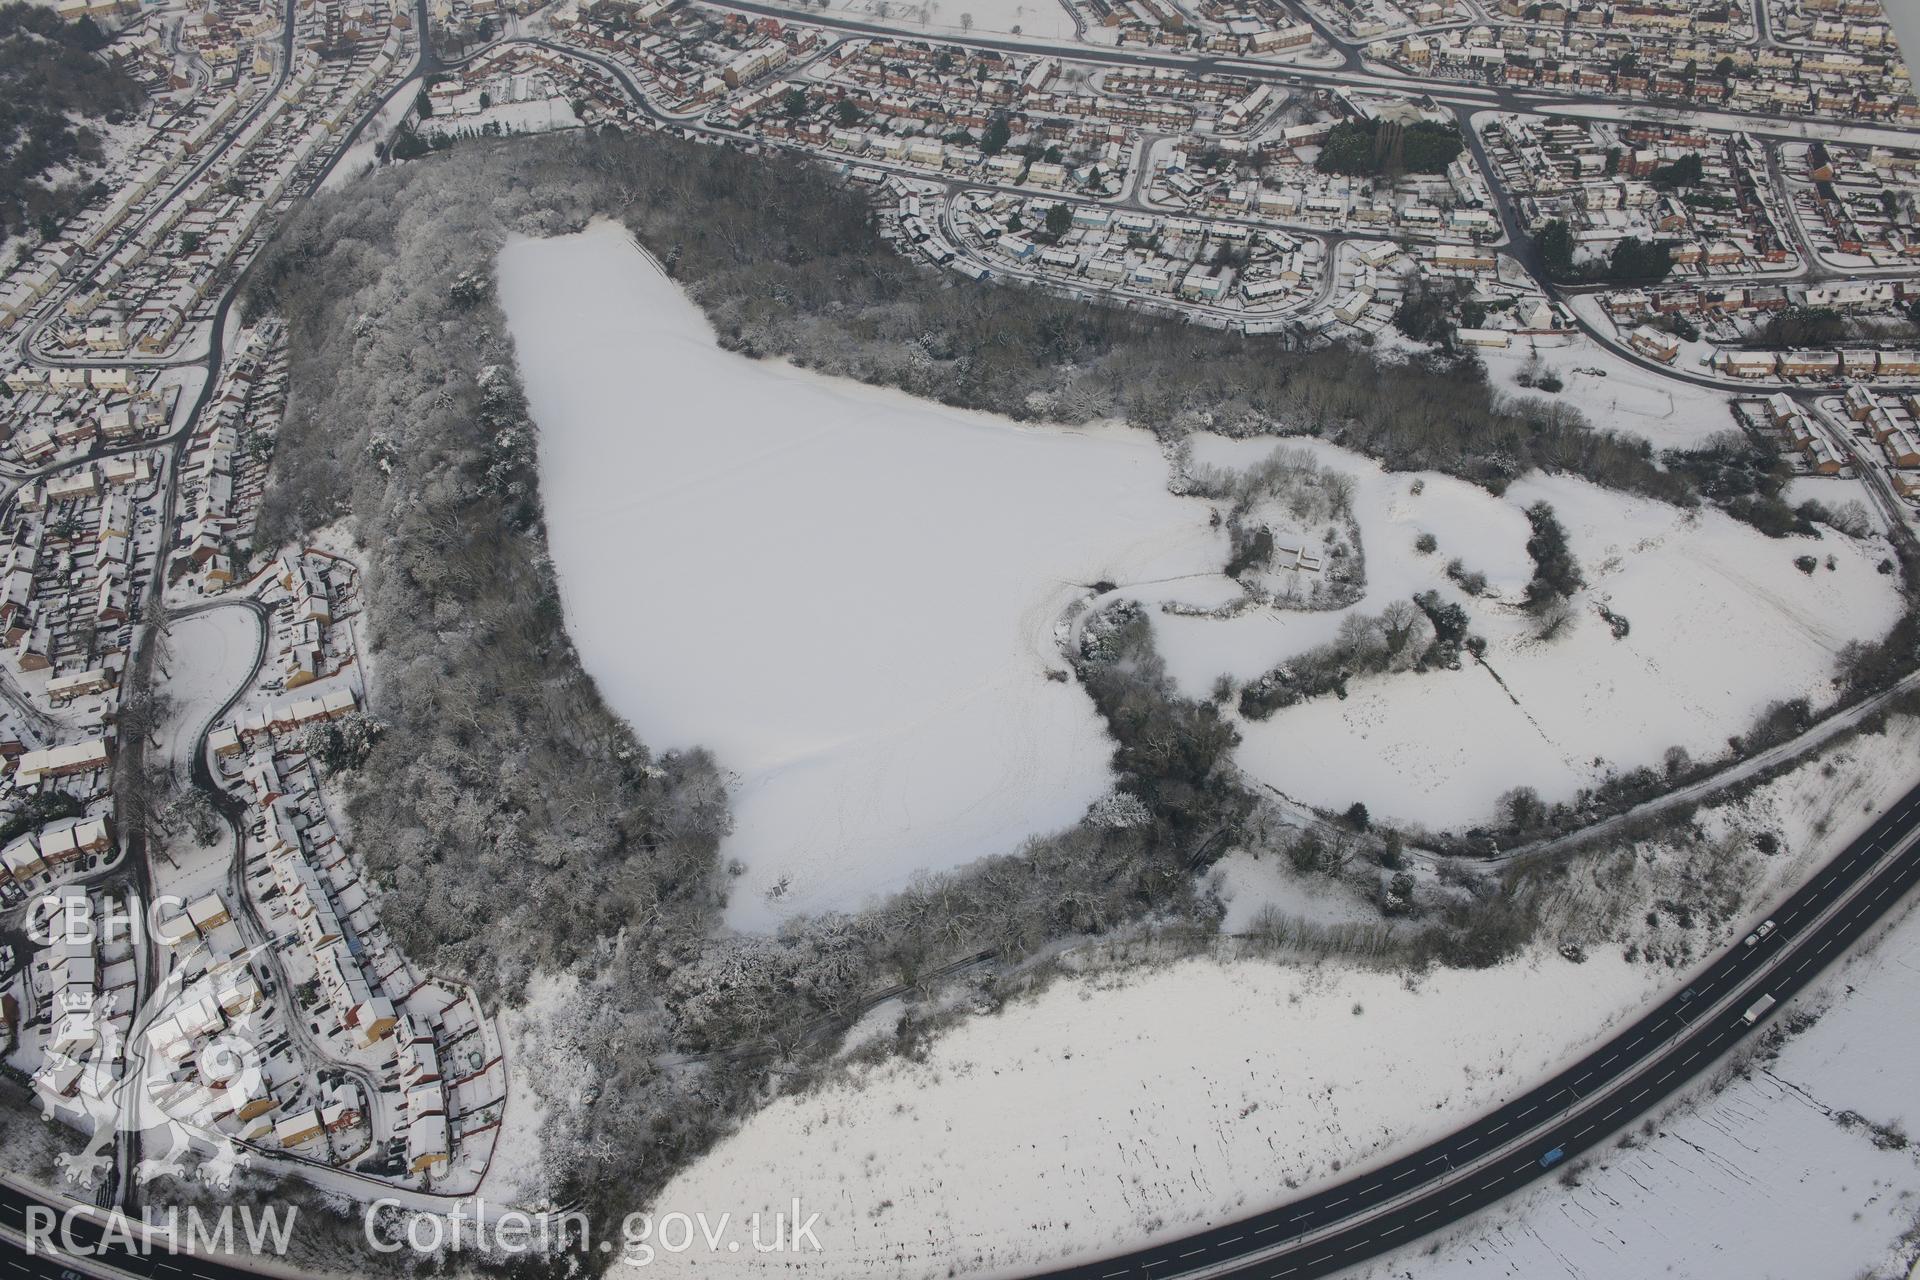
x=1764, y=1180
x=1722, y=622
x=1038, y=19
x=1118, y=1107
x=849, y=595
x=1614, y=391
x=208, y=656
x=854, y=598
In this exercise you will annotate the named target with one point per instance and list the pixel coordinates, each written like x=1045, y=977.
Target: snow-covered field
x=1118, y=1107
x=1722, y=623
x=1761, y=1181
x=848, y=594
x=1487, y=534
x=1616, y=392
x=535, y=115
x=207, y=657
x=1040, y=19
x=358, y=160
